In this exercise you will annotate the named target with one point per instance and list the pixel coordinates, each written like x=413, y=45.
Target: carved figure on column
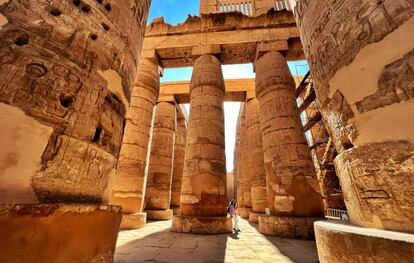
x=361, y=59
x=64, y=107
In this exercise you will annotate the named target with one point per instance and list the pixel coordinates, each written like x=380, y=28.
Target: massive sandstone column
x=238, y=159
x=292, y=188
x=361, y=58
x=255, y=161
x=246, y=205
x=203, y=192
x=178, y=165
x=129, y=186
x=158, y=191
x=67, y=70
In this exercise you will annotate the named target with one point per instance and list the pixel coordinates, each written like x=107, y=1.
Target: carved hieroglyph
x=203, y=191
x=179, y=152
x=130, y=181
x=54, y=57
x=158, y=191
x=292, y=187
x=361, y=57
x=255, y=161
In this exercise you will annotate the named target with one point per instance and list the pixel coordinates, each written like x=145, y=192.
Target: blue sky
x=177, y=11
x=173, y=11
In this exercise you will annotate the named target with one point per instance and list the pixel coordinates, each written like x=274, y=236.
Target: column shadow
x=299, y=251
x=143, y=245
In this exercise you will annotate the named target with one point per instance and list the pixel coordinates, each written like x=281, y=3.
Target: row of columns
x=148, y=180
x=180, y=169
x=273, y=161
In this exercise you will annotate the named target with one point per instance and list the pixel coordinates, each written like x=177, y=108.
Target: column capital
x=152, y=55
x=280, y=46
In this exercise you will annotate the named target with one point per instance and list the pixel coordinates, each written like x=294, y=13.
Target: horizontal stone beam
x=236, y=90
x=235, y=37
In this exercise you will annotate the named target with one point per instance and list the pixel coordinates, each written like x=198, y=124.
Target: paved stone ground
x=155, y=243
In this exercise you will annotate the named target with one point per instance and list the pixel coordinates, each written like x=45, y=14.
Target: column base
x=201, y=225
x=133, y=221
x=45, y=233
x=159, y=214
x=176, y=210
x=287, y=226
x=254, y=217
x=244, y=212
x=344, y=243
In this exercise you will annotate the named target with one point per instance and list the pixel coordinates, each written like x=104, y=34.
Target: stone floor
x=155, y=243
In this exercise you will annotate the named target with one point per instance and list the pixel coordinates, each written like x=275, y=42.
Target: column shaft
x=255, y=163
x=65, y=88
x=293, y=191
x=292, y=186
x=158, y=191
x=178, y=167
x=363, y=74
x=203, y=192
x=129, y=185
x=239, y=156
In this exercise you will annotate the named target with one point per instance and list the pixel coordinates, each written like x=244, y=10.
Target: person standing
x=233, y=215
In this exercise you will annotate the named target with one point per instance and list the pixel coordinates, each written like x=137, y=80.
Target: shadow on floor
x=299, y=251
x=145, y=245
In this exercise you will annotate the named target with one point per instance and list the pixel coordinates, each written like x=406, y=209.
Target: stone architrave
x=203, y=192
x=255, y=161
x=130, y=181
x=292, y=188
x=160, y=166
x=67, y=71
x=361, y=58
x=178, y=166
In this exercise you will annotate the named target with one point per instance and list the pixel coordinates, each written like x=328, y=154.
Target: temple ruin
x=101, y=162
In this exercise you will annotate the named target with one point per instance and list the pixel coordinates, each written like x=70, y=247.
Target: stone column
x=245, y=207
x=158, y=191
x=255, y=161
x=178, y=166
x=362, y=65
x=203, y=192
x=239, y=159
x=67, y=70
x=129, y=185
x=292, y=188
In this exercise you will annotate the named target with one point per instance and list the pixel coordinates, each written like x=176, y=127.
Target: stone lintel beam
x=236, y=34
